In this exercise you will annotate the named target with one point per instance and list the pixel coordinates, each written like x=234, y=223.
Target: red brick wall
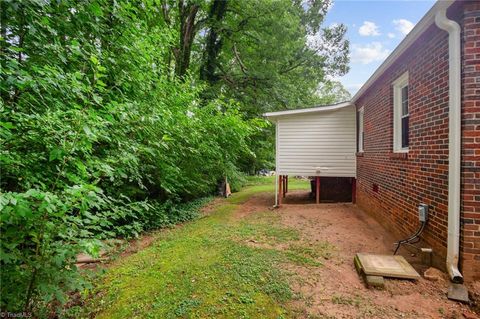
x=391, y=185
x=470, y=239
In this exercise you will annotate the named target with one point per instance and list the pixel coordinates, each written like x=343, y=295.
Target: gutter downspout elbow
x=454, y=141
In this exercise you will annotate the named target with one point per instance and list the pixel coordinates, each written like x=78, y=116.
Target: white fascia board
x=309, y=110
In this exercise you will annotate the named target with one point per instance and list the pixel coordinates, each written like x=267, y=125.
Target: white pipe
x=454, y=140
x=276, y=189
x=276, y=164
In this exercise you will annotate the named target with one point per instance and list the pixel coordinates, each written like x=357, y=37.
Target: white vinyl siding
x=317, y=144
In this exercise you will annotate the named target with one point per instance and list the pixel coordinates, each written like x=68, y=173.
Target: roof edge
x=309, y=110
x=417, y=31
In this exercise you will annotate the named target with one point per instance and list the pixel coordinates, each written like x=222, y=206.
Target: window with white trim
x=401, y=114
x=361, y=131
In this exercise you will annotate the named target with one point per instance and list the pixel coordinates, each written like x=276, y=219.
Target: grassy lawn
x=258, y=184
x=218, y=266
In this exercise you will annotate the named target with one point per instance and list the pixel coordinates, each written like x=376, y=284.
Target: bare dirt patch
x=256, y=203
x=335, y=290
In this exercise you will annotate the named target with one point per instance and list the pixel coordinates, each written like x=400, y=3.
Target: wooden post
x=354, y=190
x=317, y=189
x=285, y=185
x=280, y=191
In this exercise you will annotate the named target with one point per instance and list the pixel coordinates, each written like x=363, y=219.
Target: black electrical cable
x=412, y=239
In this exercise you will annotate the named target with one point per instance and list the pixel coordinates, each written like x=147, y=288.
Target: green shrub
x=38, y=251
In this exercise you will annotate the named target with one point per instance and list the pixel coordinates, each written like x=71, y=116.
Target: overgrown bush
x=38, y=250
x=98, y=139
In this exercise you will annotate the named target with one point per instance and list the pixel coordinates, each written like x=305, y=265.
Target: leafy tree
x=332, y=92
x=267, y=55
x=275, y=54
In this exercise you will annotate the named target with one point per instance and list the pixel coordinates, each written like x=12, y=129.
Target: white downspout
x=454, y=140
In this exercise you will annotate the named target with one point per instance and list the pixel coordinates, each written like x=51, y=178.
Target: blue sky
x=375, y=28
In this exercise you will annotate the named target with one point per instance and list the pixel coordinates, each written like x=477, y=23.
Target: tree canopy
x=268, y=55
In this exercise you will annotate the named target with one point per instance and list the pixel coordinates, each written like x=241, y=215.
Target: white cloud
x=391, y=35
x=403, y=25
x=368, y=28
x=368, y=53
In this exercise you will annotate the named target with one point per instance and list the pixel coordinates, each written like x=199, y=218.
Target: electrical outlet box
x=423, y=212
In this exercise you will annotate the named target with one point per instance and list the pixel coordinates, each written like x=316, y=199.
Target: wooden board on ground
x=386, y=266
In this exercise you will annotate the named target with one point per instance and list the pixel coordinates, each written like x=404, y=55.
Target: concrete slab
x=375, y=281
x=458, y=292
x=386, y=266
x=358, y=266
x=427, y=256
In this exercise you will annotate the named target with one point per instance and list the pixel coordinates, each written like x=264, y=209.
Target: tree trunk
x=187, y=15
x=214, y=41
x=3, y=46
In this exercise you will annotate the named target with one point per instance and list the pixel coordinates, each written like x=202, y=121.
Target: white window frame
x=398, y=85
x=361, y=129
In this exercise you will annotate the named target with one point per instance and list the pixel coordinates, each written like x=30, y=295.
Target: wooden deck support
x=280, y=189
x=317, y=189
x=354, y=190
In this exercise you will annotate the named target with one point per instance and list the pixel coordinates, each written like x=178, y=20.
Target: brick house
x=406, y=142
x=417, y=139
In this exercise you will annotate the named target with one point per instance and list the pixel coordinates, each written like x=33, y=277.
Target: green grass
x=293, y=183
x=259, y=180
x=217, y=266
x=258, y=184
x=263, y=227
x=346, y=300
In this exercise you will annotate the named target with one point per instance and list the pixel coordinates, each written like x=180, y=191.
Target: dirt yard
x=244, y=259
x=335, y=290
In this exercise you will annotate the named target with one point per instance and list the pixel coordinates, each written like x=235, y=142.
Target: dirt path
x=335, y=290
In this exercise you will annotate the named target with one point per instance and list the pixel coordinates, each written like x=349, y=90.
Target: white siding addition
x=319, y=142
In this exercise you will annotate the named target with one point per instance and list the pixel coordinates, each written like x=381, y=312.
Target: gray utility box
x=423, y=212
